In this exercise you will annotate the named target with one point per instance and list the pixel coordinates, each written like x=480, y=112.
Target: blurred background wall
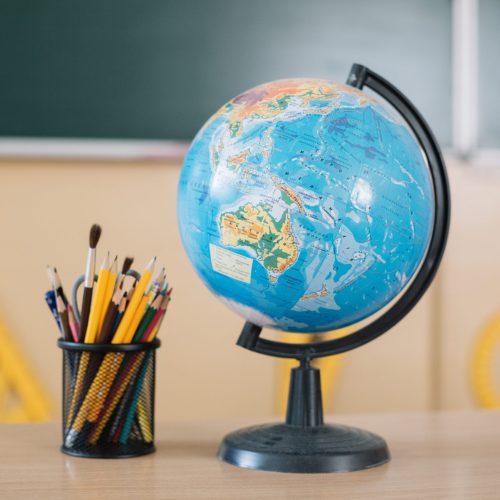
x=95, y=132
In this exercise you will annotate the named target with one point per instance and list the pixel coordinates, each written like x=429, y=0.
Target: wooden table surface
x=446, y=455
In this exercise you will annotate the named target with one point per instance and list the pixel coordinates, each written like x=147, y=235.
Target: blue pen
x=50, y=298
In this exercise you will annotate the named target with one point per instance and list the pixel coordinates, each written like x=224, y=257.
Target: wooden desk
x=448, y=455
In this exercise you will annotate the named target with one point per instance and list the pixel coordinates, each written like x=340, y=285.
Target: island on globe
x=305, y=205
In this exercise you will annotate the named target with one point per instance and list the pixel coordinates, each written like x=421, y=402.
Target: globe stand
x=304, y=443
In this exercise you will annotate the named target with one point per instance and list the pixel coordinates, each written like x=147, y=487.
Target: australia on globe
x=305, y=205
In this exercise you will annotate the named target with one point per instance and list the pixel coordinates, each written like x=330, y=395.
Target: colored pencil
x=73, y=323
x=134, y=324
x=58, y=287
x=119, y=316
x=63, y=315
x=110, y=288
x=122, y=334
x=106, y=332
x=147, y=318
x=98, y=302
x=132, y=407
x=157, y=285
x=151, y=318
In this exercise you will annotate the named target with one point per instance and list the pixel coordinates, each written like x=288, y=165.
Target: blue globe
x=305, y=205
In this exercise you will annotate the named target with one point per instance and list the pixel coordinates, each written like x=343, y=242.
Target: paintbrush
x=127, y=264
x=95, y=234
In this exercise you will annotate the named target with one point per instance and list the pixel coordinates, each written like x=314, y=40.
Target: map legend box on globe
x=231, y=264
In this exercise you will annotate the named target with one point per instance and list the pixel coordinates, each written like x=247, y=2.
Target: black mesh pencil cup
x=108, y=399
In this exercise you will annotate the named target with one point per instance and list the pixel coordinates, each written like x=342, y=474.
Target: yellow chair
x=486, y=393
x=22, y=398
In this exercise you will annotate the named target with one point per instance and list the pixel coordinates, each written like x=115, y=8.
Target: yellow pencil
x=105, y=379
x=105, y=376
x=110, y=288
x=82, y=368
x=147, y=433
x=96, y=432
x=121, y=332
x=98, y=302
x=139, y=313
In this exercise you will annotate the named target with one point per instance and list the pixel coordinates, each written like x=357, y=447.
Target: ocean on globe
x=305, y=205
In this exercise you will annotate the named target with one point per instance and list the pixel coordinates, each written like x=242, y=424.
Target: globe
x=305, y=205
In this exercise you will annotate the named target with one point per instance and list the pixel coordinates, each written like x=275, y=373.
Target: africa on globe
x=305, y=205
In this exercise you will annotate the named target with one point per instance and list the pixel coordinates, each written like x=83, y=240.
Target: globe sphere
x=305, y=205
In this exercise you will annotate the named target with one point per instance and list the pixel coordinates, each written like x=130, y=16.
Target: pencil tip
x=105, y=262
x=50, y=274
x=151, y=264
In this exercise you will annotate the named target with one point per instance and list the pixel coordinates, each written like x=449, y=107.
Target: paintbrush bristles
x=95, y=234
x=127, y=264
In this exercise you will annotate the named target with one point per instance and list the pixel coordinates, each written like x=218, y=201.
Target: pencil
x=116, y=426
x=131, y=291
x=119, y=316
x=73, y=323
x=132, y=408
x=94, y=236
x=150, y=336
x=107, y=409
x=58, y=287
x=146, y=430
x=110, y=288
x=120, y=336
x=109, y=319
x=63, y=315
x=98, y=302
x=156, y=285
x=139, y=314
x=148, y=317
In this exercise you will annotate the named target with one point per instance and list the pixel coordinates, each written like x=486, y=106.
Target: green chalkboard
x=157, y=69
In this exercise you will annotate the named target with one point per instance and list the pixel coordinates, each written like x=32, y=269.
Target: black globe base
x=288, y=448
x=304, y=443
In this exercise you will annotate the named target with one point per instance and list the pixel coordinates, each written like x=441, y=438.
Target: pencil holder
x=108, y=399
